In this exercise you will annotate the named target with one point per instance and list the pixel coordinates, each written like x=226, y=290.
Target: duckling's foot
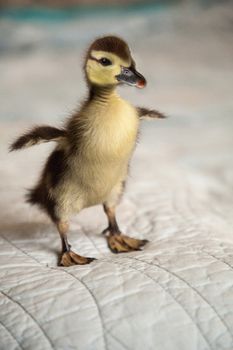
x=119, y=243
x=69, y=258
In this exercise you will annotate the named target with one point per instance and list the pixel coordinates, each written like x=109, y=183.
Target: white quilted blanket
x=176, y=294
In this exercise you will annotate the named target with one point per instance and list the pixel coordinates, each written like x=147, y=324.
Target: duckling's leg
x=68, y=257
x=118, y=242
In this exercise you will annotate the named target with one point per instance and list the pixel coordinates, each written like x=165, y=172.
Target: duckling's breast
x=111, y=131
x=107, y=144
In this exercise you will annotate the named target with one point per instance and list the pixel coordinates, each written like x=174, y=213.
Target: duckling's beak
x=131, y=77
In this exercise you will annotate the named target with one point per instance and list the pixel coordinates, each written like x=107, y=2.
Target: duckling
x=90, y=162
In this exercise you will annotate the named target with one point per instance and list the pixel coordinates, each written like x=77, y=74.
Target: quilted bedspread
x=175, y=294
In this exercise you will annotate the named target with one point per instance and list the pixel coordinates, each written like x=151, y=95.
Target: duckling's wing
x=38, y=135
x=145, y=113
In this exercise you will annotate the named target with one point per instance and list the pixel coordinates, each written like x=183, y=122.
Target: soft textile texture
x=176, y=294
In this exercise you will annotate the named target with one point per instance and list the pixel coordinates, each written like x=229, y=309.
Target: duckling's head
x=109, y=63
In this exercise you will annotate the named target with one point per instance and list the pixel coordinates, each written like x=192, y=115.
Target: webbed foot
x=69, y=258
x=119, y=243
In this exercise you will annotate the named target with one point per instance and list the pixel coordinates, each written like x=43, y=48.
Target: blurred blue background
x=184, y=48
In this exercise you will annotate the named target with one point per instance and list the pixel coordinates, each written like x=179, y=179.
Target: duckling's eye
x=105, y=61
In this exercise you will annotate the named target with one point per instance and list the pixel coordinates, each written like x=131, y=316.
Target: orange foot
x=70, y=258
x=119, y=243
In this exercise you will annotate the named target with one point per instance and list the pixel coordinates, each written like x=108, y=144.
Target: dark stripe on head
x=111, y=44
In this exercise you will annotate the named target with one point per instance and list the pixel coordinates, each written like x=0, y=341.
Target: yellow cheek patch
x=99, y=74
x=104, y=75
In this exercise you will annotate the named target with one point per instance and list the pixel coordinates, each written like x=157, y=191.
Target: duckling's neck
x=102, y=94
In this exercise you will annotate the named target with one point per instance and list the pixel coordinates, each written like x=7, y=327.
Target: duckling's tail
x=38, y=135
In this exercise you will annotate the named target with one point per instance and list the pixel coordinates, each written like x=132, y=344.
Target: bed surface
x=178, y=292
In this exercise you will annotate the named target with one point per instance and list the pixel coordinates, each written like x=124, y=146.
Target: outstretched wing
x=145, y=113
x=38, y=135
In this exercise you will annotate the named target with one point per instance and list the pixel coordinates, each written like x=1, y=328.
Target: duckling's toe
x=70, y=258
x=123, y=244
